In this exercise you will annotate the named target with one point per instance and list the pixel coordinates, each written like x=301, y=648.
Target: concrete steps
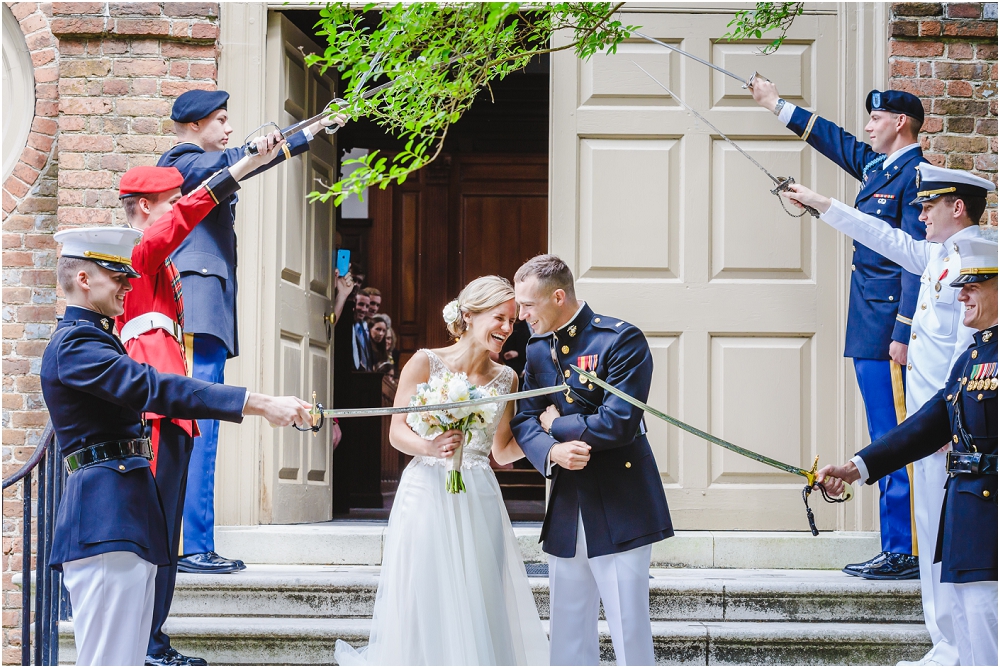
x=289, y=615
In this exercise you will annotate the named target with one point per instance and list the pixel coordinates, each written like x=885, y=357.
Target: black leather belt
x=103, y=452
x=972, y=462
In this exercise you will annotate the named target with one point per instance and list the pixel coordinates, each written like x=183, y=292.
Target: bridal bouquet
x=445, y=389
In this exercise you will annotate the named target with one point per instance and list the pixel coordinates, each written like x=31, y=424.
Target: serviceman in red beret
x=151, y=328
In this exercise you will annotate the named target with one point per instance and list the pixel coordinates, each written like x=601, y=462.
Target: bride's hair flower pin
x=452, y=312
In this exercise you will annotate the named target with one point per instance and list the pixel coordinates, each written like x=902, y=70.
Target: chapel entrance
x=480, y=208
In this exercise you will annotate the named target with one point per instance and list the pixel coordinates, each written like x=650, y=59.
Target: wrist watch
x=778, y=106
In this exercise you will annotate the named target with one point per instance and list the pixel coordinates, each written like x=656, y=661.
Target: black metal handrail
x=51, y=600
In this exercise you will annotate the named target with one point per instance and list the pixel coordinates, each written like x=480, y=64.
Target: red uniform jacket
x=153, y=291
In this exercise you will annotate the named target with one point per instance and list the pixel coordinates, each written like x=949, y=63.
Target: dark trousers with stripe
x=885, y=407
x=172, y=459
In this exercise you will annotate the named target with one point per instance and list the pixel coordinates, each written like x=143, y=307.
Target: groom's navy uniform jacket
x=964, y=412
x=96, y=394
x=618, y=492
x=883, y=295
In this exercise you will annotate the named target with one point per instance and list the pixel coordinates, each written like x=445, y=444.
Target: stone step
x=360, y=543
x=270, y=641
x=710, y=595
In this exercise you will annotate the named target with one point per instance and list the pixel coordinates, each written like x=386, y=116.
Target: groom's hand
x=571, y=455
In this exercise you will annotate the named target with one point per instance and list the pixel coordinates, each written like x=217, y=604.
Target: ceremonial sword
x=781, y=184
x=747, y=83
x=319, y=414
x=809, y=475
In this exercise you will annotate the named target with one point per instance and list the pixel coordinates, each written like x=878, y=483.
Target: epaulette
x=605, y=322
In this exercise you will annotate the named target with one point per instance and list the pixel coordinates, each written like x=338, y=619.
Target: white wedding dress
x=453, y=588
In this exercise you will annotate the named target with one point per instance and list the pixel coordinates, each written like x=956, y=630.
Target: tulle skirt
x=453, y=589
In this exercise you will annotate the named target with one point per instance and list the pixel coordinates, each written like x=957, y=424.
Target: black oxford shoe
x=887, y=566
x=174, y=658
x=208, y=562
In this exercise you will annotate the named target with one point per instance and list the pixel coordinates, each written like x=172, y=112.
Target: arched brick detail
x=34, y=19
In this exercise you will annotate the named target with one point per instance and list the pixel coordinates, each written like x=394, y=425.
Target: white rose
x=451, y=311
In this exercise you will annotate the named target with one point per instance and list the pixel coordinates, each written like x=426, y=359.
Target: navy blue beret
x=195, y=105
x=896, y=102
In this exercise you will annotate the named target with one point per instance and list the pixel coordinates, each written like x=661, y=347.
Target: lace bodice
x=477, y=450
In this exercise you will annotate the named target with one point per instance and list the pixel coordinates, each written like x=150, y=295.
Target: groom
x=606, y=506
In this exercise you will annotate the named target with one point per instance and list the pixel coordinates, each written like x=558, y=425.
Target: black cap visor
x=973, y=278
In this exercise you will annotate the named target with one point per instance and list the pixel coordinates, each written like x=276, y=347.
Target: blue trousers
x=895, y=516
x=199, y=501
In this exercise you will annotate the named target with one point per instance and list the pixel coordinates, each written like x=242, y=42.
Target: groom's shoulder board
x=614, y=324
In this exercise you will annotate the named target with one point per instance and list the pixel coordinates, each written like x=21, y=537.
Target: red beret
x=149, y=180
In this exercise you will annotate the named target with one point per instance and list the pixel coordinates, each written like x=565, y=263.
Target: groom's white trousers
x=577, y=587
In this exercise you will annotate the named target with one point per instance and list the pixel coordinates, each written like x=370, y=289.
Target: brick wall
x=946, y=53
x=106, y=75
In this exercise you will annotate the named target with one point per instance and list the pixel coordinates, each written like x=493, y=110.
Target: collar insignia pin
x=105, y=324
x=987, y=335
x=572, y=330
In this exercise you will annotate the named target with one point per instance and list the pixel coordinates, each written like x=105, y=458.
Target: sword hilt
x=783, y=184
x=316, y=417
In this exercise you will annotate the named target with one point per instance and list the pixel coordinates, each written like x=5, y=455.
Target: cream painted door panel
x=297, y=471
x=667, y=226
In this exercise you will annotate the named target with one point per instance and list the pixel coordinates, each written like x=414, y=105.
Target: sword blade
x=774, y=463
x=745, y=82
x=376, y=412
x=709, y=124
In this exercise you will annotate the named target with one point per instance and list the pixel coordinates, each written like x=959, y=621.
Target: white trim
x=18, y=92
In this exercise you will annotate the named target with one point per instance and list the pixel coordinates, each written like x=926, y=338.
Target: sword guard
x=782, y=187
x=316, y=416
x=749, y=82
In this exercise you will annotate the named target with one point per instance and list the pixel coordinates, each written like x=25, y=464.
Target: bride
x=453, y=588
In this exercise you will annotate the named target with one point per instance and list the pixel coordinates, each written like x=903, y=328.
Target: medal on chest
x=937, y=286
x=587, y=363
x=982, y=377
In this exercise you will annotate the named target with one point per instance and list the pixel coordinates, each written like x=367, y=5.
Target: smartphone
x=343, y=262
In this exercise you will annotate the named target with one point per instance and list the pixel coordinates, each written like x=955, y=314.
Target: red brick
x=964, y=10
x=145, y=86
x=77, y=7
x=30, y=418
x=37, y=278
x=959, y=107
x=30, y=348
x=46, y=91
x=926, y=69
x=987, y=126
x=39, y=58
x=87, y=143
x=143, y=106
x=916, y=8
x=33, y=157
x=205, y=31
x=136, y=144
x=71, y=178
x=116, y=87
x=180, y=29
x=69, y=215
x=175, y=88
x=986, y=51
x=46, y=108
x=134, y=8
x=961, y=124
x=114, y=46
x=12, y=241
x=142, y=27
x=145, y=47
x=71, y=123
x=39, y=40
x=85, y=105
x=78, y=26
x=37, y=205
x=902, y=68
x=191, y=9
x=14, y=402
x=25, y=173
x=986, y=162
x=45, y=126
x=71, y=47
x=19, y=223
x=916, y=49
x=85, y=67
x=15, y=187
x=959, y=89
x=920, y=87
x=69, y=197
x=945, y=70
x=204, y=71
x=140, y=67
x=955, y=144
x=146, y=126
x=970, y=29
x=179, y=68
x=18, y=259
x=930, y=28
x=181, y=50
x=39, y=241
x=960, y=51
x=114, y=125
x=33, y=22
x=40, y=142
x=22, y=9
x=114, y=162
x=959, y=161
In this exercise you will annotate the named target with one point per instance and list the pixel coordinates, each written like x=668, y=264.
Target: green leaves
x=439, y=57
x=768, y=16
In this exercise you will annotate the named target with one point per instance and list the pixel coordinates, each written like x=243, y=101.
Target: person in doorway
x=110, y=533
x=964, y=413
x=206, y=262
x=151, y=329
x=883, y=295
x=374, y=300
x=361, y=343
x=378, y=329
x=606, y=504
x=453, y=588
x=953, y=201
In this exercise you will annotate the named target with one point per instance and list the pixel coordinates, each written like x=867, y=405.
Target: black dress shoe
x=887, y=566
x=208, y=562
x=174, y=658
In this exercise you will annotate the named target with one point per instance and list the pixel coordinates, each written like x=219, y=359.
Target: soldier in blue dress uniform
x=607, y=506
x=206, y=262
x=964, y=412
x=883, y=296
x=110, y=534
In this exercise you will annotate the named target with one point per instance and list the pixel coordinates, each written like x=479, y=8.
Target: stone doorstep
x=271, y=641
x=360, y=543
x=675, y=595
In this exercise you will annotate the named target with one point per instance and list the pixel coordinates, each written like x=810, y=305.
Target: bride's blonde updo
x=482, y=294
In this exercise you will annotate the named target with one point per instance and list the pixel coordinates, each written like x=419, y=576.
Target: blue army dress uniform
x=963, y=413
x=602, y=520
x=882, y=301
x=110, y=534
x=206, y=261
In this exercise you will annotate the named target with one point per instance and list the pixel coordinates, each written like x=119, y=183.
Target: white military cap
x=979, y=260
x=933, y=182
x=110, y=247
